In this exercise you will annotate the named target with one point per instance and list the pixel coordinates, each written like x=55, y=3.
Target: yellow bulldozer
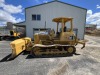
x=63, y=43
x=12, y=36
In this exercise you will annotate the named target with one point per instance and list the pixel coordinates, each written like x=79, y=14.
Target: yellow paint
x=19, y=45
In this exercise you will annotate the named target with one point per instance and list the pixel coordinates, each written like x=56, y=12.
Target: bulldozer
x=63, y=43
x=12, y=36
x=13, y=33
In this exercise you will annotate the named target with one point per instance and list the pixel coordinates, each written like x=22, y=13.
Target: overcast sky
x=13, y=10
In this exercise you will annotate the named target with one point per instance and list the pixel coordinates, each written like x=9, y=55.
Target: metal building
x=40, y=16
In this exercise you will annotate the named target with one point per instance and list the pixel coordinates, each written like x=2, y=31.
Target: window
x=36, y=17
x=33, y=17
x=71, y=38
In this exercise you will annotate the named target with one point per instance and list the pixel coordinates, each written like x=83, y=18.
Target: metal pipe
x=62, y=25
x=71, y=25
x=57, y=26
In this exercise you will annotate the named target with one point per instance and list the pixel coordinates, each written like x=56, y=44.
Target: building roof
x=90, y=25
x=20, y=22
x=56, y=1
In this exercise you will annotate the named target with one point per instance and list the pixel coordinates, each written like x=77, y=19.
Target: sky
x=13, y=10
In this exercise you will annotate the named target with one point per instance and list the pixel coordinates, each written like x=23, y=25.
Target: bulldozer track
x=53, y=50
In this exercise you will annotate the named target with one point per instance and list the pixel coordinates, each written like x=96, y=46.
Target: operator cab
x=64, y=34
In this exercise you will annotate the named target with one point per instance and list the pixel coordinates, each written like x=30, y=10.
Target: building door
x=37, y=30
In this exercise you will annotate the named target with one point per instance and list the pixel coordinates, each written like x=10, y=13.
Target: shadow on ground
x=7, y=58
x=50, y=56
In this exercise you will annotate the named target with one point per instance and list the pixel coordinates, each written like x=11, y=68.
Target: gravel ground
x=86, y=63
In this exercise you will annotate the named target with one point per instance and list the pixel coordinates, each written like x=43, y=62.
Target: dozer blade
x=18, y=46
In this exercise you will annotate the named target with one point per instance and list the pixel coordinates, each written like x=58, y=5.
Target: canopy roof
x=60, y=19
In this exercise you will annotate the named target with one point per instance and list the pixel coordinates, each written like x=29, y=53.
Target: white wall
x=52, y=10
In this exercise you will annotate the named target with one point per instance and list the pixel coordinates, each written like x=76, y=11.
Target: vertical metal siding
x=52, y=10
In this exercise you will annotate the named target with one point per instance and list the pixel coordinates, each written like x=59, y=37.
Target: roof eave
x=56, y=1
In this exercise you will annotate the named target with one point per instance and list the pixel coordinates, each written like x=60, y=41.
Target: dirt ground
x=87, y=62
